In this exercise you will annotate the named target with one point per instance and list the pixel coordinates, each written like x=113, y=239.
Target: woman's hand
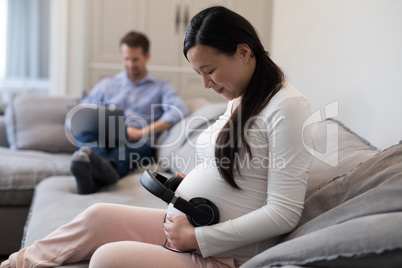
x=181, y=175
x=179, y=232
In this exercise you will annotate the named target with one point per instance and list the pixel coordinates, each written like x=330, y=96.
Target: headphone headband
x=154, y=183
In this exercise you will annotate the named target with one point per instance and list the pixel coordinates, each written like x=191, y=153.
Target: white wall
x=348, y=51
x=67, y=47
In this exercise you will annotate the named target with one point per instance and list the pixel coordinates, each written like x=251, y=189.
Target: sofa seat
x=56, y=203
x=58, y=192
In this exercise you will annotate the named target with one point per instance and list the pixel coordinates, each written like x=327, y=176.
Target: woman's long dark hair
x=224, y=30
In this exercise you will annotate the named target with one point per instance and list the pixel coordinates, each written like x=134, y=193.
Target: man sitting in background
x=144, y=98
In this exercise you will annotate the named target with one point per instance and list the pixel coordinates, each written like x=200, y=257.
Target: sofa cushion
x=367, y=246
x=338, y=151
x=21, y=171
x=36, y=122
x=353, y=221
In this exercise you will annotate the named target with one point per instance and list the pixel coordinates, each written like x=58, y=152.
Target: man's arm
x=156, y=127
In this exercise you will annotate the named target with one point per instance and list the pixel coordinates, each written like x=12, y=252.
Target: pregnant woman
x=255, y=169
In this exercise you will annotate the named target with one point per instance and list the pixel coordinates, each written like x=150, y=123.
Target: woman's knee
x=109, y=255
x=96, y=214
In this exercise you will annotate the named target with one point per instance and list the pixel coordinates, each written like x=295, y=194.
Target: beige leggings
x=110, y=236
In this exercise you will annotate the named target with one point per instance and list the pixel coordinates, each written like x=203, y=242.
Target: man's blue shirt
x=144, y=102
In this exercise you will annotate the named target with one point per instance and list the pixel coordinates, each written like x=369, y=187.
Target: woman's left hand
x=180, y=233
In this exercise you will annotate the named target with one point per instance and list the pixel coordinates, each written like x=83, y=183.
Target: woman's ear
x=245, y=51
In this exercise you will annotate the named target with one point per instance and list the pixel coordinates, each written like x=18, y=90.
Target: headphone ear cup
x=173, y=183
x=207, y=206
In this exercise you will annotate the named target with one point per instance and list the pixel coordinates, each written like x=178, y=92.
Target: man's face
x=134, y=61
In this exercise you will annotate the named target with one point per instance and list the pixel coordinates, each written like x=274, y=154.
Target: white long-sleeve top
x=273, y=180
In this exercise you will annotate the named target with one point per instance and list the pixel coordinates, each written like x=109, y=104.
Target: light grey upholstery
x=36, y=122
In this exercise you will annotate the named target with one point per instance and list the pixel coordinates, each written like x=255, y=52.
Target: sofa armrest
x=3, y=133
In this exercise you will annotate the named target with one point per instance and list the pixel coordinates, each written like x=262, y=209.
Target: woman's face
x=226, y=75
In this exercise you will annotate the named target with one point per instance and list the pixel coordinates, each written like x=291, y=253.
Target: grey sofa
x=33, y=146
x=353, y=208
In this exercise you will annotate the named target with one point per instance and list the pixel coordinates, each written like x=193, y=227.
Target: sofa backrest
x=338, y=151
x=37, y=122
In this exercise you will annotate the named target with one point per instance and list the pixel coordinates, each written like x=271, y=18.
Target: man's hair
x=136, y=39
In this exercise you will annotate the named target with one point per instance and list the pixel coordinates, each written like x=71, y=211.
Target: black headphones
x=200, y=211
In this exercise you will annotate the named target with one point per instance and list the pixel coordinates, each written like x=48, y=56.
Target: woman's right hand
x=179, y=232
